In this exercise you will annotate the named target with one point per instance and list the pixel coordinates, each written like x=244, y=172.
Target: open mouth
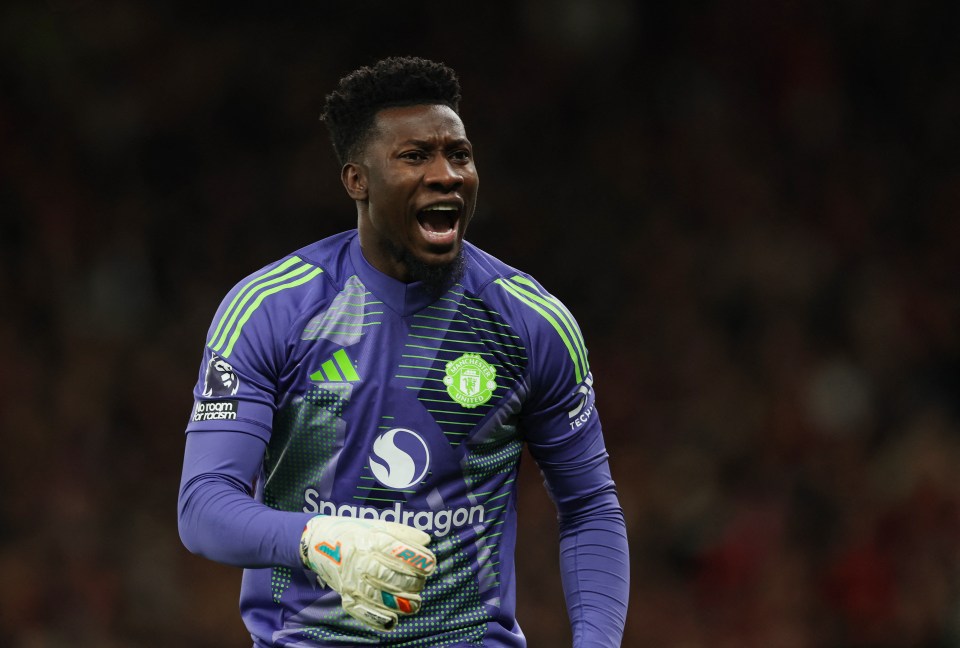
x=438, y=223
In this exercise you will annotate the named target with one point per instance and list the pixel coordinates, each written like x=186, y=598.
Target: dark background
x=751, y=206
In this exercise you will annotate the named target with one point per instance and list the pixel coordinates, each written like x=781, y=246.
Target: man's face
x=420, y=182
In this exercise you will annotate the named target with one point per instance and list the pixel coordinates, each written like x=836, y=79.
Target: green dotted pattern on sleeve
x=498, y=456
x=280, y=581
x=304, y=436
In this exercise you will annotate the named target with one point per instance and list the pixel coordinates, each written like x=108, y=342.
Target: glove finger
x=406, y=533
x=400, y=573
x=391, y=599
x=378, y=617
x=414, y=559
x=396, y=584
x=406, y=604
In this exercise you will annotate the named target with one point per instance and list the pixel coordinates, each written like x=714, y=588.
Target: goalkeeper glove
x=377, y=567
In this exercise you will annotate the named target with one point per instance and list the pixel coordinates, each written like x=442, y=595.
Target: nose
x=442, y=175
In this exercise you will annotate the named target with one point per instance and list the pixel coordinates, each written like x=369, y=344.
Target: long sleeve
x=217, y=515
x=594, y=557
x=594, y=567
x=562, y=429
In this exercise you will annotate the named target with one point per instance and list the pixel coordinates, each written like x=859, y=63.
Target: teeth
x=440, y=208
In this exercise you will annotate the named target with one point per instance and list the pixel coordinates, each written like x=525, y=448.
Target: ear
x=354, y=178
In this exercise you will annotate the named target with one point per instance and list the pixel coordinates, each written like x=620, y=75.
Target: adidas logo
x=339, y=368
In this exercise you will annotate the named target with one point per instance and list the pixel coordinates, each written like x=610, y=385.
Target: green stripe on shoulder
x=243, y=295
x=564, y=315
x=251, y=296
x=559, y=318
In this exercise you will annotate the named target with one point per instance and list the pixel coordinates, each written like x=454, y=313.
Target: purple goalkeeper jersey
x=347, y=392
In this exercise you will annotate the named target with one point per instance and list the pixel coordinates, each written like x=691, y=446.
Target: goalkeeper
x=362, y=405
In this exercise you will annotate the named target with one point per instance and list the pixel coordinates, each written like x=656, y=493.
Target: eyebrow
x=460, y=141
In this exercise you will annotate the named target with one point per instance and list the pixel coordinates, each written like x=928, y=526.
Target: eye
x=460, y=155
x=413, y=156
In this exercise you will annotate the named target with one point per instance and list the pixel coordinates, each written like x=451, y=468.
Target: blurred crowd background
x=753, y=208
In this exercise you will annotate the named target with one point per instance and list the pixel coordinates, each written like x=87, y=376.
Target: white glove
x=378, y=567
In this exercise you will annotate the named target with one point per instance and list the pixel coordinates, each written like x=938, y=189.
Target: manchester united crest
x=470, y=380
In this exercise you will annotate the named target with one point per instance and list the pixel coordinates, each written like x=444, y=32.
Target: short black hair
x=396, y=81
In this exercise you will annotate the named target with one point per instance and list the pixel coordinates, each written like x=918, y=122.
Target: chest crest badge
x=470, y=380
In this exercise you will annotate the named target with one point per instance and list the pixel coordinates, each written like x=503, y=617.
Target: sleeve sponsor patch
x=581, y=413
x=215, y=410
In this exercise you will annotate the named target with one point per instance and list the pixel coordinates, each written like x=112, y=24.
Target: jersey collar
x=404, y=298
